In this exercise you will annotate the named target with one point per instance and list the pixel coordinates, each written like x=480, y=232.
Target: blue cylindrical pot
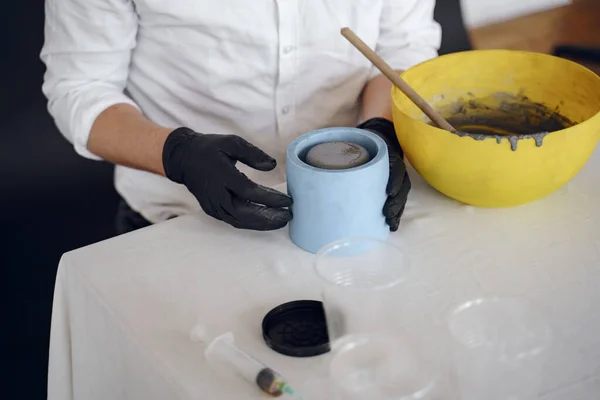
x=330, y=205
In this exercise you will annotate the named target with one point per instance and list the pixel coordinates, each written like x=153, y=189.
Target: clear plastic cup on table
x=381, y=367
x=499, y=349
x=378, y=351
x=361, y=279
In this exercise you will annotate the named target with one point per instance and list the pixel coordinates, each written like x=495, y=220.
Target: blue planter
x=330, y=205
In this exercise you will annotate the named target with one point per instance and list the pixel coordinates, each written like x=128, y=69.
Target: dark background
x=52, y=200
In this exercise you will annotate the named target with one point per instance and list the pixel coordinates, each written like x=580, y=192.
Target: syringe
x=222, y=350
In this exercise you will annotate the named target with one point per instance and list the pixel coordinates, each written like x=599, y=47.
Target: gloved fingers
x=392, y=207
x=246, y=215
x=210, y=204
x=245, y=189
x=239, y=149
x=397, y=176
x=395, y=204
x=394, y=222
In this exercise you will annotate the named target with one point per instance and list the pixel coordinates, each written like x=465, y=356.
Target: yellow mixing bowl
x=496, y=171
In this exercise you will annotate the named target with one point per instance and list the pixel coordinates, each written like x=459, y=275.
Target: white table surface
x=124, y=308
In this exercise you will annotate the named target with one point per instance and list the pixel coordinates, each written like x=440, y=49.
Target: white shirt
x=266, y=70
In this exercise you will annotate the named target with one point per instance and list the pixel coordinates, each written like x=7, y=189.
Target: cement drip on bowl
x=513, y=139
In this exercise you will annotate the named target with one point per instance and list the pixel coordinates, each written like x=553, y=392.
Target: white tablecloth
x=124, y=308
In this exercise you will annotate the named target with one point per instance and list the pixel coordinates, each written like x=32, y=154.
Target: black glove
x=399, y=182
x=205, y=164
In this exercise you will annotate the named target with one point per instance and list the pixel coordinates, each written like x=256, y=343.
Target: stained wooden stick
x=396, y=80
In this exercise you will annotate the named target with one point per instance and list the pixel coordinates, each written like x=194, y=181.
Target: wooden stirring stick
x=396, y=80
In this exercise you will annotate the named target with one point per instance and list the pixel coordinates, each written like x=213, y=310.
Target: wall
x=483, y=12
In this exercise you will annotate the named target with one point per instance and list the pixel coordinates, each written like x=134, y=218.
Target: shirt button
x=288, y=49
x=285, y=110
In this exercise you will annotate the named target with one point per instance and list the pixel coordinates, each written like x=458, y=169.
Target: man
x=174, y=91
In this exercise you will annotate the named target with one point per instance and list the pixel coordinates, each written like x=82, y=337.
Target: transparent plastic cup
x=361, y=278
x=380, y=367
x=499, y=349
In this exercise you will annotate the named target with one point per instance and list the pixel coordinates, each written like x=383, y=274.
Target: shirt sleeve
x=87, y=50
x=408, y=34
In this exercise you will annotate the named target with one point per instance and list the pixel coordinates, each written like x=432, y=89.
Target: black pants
x=128, y=220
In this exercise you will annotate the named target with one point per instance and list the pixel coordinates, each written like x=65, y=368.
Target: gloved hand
x=205, y=164
x=399, y=183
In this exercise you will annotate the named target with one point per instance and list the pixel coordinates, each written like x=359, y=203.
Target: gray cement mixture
x=503, y=116
x=337, y=155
